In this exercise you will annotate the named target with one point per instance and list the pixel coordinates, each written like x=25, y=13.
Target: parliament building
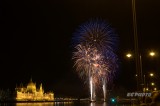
x=31, y=93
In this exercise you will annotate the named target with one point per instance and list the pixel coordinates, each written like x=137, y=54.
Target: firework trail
x=95, y=60
x=88, y=62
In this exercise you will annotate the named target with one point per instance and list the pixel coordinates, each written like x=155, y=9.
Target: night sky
x=36, y=41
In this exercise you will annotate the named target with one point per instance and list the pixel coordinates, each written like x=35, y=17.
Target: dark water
x=63, y=104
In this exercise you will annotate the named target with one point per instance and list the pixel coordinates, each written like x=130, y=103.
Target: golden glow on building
x=31, y=93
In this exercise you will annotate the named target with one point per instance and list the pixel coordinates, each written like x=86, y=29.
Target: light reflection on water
x=46, y=104
x=34, y=104
x=106, y=104
x=63, y=104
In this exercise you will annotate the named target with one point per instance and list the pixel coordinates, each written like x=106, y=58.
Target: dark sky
x=36, y=37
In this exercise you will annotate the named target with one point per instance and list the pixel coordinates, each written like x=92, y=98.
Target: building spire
x=31, y=79
x=41, y=86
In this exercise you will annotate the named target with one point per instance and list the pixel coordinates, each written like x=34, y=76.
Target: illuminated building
x=31, y=93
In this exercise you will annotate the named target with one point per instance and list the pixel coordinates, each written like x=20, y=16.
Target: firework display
x=95, y=60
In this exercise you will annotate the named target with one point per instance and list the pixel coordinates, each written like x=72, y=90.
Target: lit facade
x=31, y=93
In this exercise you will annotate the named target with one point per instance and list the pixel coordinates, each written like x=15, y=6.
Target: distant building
x=31, y=93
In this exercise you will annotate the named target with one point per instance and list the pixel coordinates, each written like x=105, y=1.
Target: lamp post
x=144, y=83
x=142, y=76
x=137, y=55
x=151, y=75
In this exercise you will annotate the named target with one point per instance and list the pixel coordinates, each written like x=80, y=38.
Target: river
x=64, y=104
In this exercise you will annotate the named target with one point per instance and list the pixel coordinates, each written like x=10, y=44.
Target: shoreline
x=14, y=101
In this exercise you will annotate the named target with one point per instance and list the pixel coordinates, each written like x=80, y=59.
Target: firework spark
x=95, y=60
x=96, y=33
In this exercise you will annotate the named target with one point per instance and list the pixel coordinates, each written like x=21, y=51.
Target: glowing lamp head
x=152, y=84
x=152, y=54
x=155, y=89
x=151, y=74
x=129, y=55
x=147, y=89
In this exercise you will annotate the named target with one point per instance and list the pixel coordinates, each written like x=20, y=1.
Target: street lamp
x=155, y=89
x=147, y=89
x=128, y=55
x=152, y=84
x=152, y=53
x=142, y=76
x=151, y=74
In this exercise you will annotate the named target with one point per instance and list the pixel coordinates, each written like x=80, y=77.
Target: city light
x=152, y=84
x=129, y=55
x=152, y=54
x=151, y=74
x=147, y=89
x=155, y=89
x=113, y=100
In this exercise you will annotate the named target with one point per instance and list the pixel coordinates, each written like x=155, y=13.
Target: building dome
x=31, y=86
